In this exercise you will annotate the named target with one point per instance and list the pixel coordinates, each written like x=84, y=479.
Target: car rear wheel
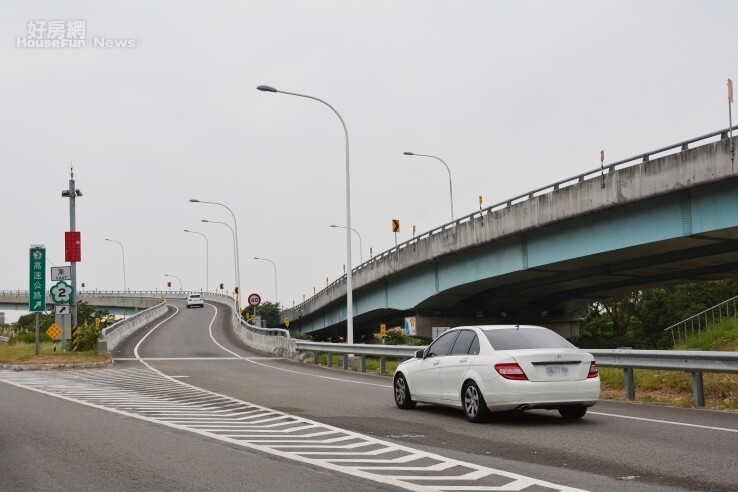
x=475, y=407
x=573, y=412
x=402, y=393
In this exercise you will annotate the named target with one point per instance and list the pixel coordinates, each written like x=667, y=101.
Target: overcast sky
x=511, y=95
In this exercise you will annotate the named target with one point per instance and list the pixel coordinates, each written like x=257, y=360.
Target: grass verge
x=25, y=353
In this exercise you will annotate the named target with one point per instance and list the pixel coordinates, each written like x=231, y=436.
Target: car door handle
x=462, y=361
x=436, y=362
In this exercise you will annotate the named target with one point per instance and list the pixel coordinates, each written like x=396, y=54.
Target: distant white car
x=482, y=369
x=195, y=300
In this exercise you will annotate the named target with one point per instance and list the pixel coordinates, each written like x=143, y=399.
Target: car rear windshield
x=194, y=296
x=525, y=338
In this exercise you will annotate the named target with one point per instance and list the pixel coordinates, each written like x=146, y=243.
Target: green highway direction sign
x=37, y=279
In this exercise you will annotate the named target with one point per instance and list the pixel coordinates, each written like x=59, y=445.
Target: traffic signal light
x=83, y=285
x=169, y=284
x=222, y=287
x=236, y=290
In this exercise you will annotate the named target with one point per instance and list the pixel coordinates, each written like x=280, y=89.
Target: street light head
x=266, y=88
x=333, y=225
x=186, y=230
x=406, y=153
x=204, y=220
x=193, y=200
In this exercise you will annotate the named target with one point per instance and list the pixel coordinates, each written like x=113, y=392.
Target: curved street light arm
x=349, y=280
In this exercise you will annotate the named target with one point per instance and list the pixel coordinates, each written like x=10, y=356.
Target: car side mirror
x=419, y=354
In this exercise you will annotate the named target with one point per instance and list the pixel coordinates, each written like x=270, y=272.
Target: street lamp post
x=361, y=248
x=450, y=187
x=349, y=281
x=235, y=236
x=178, y=280
x=207, y=258
x=123, y=252
x=235, y=253
x=276, y=299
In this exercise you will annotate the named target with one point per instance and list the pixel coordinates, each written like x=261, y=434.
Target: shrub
x=87, y=337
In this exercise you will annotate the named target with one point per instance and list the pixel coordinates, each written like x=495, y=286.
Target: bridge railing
x=695, y=324
x=692, y=361
x=593, y=174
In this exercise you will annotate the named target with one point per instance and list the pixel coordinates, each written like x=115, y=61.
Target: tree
x=269, y=312
x=638, y=319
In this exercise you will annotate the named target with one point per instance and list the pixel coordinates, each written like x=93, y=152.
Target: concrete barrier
x=114, y=334
x=275, y=341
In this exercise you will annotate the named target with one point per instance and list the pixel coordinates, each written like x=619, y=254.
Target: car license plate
x=557, y=370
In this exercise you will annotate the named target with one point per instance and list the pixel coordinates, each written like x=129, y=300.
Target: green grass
x=372, y=363
x=720, y=336
x=25, y=353
x=675, y=388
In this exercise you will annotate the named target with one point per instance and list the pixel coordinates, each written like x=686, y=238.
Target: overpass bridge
x=117, y=302
x=665, y=217
x=669, y=216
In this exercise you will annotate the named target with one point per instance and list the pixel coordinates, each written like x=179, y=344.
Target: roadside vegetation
x=675, y=388
x=21, y=348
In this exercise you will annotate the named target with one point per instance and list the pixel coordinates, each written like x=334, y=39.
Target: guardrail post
x=362, y=363
x=345, y=361
x=698, y=389
x=630, y=392
x=382, y=364
x=315, y=357
x=330, y=359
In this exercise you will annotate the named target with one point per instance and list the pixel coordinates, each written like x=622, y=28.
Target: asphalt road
x=616, y=446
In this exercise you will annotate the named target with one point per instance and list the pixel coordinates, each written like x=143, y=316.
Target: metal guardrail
x=593, y=174
x=692, y=361
x=4, y=339
x=360, y=350
x=703, y=319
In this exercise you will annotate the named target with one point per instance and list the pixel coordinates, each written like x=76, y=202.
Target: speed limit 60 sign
x=254, y=299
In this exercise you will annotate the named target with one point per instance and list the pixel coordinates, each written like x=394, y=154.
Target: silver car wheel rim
x=471, y=401
x=400, y=391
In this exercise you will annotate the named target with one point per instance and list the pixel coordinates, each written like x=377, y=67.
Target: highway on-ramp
x=186, y=406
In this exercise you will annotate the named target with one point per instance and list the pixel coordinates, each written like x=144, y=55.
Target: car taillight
x=511, y=371
x=593, y=372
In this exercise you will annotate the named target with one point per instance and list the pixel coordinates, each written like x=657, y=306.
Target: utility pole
x=72, y=254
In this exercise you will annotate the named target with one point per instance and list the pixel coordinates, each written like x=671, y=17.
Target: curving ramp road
x=185, y=387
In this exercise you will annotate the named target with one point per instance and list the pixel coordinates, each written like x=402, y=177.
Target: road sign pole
x=73, y=256
x=37, y=284
x=72, y=228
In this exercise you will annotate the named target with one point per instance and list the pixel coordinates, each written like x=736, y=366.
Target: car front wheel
x=475, y=407
x=402, y=393
x=573, y=412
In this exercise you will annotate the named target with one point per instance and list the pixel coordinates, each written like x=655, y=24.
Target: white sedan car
x=195, y=300
x=483, y=369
